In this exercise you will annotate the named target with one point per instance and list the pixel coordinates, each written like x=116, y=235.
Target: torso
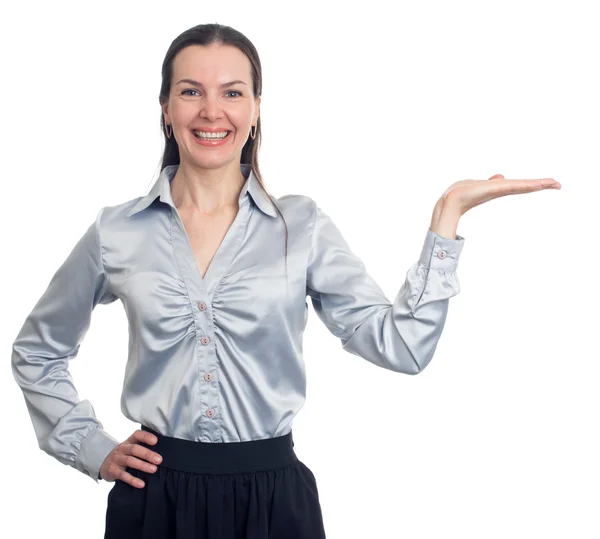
x=206, y=234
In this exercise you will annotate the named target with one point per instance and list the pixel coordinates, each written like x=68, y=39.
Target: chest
x=243, y=264
x=206, y=235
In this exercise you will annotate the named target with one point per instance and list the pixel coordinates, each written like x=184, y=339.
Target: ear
x=165, y=111
x=257, y=113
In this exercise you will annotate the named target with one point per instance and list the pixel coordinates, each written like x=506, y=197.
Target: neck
x=208, y=191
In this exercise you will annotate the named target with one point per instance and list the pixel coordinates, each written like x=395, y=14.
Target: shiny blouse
x=218, y=359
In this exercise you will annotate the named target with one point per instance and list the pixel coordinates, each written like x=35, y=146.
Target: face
x=206, y=101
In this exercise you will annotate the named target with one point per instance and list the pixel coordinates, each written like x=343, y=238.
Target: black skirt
x=237, y=490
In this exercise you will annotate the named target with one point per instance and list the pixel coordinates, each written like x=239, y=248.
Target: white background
x=373, y=111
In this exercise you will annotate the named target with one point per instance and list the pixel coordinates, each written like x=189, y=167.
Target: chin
x=213, y=162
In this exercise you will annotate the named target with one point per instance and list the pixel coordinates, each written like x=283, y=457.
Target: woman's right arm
x=66, y=426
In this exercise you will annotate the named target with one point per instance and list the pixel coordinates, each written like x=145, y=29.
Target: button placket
x=202, y=307
x=208, y=377
x=206, y=395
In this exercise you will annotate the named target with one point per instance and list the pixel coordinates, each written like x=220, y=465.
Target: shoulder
x=112, y=221
x=116, y=213
x=300, y=207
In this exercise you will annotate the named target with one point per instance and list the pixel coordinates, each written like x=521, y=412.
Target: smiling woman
x=215, y=372
x=211, y=105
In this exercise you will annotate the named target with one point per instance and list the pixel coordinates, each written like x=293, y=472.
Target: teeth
x=202, y=134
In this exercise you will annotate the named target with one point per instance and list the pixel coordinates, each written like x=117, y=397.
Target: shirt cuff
x=94, y=450
x=441, y=253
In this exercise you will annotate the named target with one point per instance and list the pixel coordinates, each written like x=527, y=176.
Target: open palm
x=466, y=194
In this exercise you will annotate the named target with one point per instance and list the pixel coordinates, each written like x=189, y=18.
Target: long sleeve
x=401, y=336
x=66, y=427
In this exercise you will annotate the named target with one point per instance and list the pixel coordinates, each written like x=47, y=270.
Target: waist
x=229, y=457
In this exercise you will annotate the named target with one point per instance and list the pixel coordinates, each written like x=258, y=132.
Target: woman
x=213, y=273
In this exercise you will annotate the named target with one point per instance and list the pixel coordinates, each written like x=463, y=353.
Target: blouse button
x=202, y=306
x=208, y=376
x=204, y=340
x=210, y=413
x=442, y=254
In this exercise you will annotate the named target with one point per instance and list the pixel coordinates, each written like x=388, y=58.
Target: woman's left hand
x=466, y=194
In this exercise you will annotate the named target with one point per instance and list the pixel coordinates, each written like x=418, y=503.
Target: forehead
x=212, y=63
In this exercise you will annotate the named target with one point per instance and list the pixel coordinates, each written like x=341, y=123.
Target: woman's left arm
x=402, y=335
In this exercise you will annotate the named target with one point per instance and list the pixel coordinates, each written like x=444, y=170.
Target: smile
x=210, y=140
x=211, y=136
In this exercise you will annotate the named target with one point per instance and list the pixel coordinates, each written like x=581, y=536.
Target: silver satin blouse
x=217, y=359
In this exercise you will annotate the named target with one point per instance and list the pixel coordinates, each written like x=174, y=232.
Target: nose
x=211, y=109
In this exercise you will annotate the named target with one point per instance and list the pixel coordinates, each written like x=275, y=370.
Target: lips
x=210, y=129
x=209, y=142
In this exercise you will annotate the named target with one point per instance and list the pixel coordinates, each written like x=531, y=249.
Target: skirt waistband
x=227, y=457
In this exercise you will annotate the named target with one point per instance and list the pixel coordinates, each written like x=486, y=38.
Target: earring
x=253, y=133
x=167, y=130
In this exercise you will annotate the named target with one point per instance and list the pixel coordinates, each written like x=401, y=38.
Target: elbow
x=414, y=369
x=415, y=365
x=411, y=366
x=23, y=370
x=18, y=355
x=16, y=361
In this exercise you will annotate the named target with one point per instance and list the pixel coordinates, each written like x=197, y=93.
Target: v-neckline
x=223, y=256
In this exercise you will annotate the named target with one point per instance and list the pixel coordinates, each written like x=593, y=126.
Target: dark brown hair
x=209, y=34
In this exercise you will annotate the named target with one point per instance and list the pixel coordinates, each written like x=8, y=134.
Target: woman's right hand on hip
x=131, y=454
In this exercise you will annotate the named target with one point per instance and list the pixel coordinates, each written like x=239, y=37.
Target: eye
x=188, y=90
x=234, y=92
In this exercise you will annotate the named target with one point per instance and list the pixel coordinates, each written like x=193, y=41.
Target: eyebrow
x=199, y=84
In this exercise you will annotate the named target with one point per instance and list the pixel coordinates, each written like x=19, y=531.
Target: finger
x=510, y=187
x=537, y=181
x=126, y=477
x=145, y=453
x=543, y=183
x=132, y=461
x=135, y=437
x=143, y=436
x=550, y=182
